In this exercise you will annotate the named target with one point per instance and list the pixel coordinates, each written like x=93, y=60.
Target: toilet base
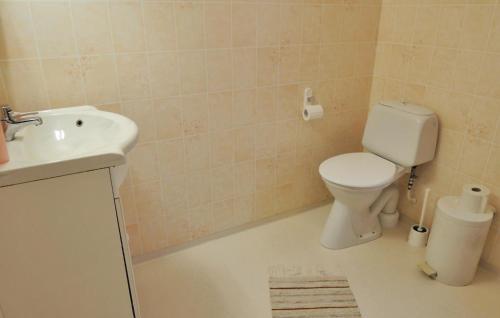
x=349, y=226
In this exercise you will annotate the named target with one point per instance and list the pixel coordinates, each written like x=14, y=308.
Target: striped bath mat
x=303, y=296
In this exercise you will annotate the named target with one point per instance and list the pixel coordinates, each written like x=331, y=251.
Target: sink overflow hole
x=79, y=123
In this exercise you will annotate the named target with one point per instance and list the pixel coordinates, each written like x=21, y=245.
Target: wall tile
x=3, y=91
x=197, y=152
x=64, y=81
x=200, y=221
x=18, y=39
x=426, y=25
x=144, y=164
x=171, y=157
x=244, y=208
x=178, y=230
x=174, y=186
x=402, y=24
x=311, y=28
x=443, y=63
x=266, y=104
x=168, y=117
x=159, y=23
x=286, y=198
x=189, y=25
x=267, y=66
x=449, y=26
x=218, y=25
x=466, y=76
x=133, y=76
x=244, y=108
x=331, y=23
x=244, y=64
x=483, y=118
x=288, y=106
x=289, y=64
x=309, y=63
x=244, y=144
x=264, y=203
x=244, y=24
x=494, y=41
x=222, y=148
x=164, y=74
x=222, y=183
x=220, y=110
x=268, y=24
x=492, y=172
x=223, y=215
x=244, y=178
x=100, y=79
x=194, y=114
x=54, y=30
x=192, y=72
x=475, y=27
x=290, y=24
x=199, y=185
x=219, y=70
x=265, y=141
x=24, y=82
x=127, y=26
x=92, y=27
x=489, y=76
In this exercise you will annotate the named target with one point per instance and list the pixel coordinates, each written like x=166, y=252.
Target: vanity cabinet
x=63, y=249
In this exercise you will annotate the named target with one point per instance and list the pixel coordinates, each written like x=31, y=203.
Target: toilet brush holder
x=418, y=236
x=418, y=232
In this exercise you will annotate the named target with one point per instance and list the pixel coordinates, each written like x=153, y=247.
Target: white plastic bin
x=456, y=242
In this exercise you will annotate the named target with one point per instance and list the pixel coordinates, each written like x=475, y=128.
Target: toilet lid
x=358, y=170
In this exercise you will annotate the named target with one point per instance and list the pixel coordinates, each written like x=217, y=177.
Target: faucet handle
x=9, y=115
x=22, y=115
x=6, y=109
x=6, y=112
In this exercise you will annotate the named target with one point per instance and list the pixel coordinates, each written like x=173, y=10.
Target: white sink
x=70, y=140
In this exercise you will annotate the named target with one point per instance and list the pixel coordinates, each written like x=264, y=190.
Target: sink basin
x=70, y=140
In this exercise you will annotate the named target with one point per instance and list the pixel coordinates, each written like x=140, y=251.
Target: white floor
x=227, y=277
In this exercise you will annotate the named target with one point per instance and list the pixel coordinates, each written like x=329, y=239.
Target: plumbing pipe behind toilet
x=386, y=207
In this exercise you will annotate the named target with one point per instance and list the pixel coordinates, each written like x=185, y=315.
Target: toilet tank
x=403, y=133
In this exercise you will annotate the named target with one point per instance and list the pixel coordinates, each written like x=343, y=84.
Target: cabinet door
x=60, y=250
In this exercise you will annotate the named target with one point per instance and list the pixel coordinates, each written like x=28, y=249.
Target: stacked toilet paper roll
x=474, y=198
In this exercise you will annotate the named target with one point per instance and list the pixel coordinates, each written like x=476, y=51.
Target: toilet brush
x=418, y=232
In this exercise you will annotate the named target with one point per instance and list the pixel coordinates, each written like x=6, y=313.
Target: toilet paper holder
x=309, y=110
x=308, y=97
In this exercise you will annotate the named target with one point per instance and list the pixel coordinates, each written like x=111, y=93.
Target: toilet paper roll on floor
x=311, y=112
x=474, y=198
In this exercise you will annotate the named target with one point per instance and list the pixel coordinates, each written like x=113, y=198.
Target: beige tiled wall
x=446, y=55
x=215, y=87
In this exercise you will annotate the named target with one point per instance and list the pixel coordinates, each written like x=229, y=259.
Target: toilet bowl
x=357, y=181
x=397, y=137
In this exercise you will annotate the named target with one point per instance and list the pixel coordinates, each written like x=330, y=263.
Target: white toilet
x=398, y=136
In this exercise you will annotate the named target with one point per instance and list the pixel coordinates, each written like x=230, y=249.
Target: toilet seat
x=358, y=170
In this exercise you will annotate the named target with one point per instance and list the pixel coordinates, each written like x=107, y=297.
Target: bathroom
x=222, y=188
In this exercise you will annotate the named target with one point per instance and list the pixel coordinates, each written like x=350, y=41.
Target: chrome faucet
x=13, y=122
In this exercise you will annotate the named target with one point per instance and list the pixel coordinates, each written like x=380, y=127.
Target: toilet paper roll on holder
x=310, y=110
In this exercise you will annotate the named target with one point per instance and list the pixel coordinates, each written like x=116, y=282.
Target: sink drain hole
x=79, y=123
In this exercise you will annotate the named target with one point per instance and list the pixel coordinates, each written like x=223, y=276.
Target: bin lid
x=449, y=206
